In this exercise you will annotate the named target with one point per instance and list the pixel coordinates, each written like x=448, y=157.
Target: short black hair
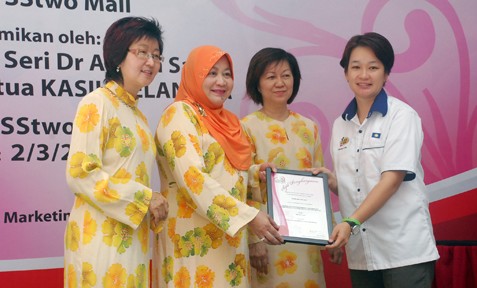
x=120, y=35
x=260, y=62
x=381, y=47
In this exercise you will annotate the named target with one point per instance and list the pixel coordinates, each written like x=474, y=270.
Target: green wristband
x=355, y=221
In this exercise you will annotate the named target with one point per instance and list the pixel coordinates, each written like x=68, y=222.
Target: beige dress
x=291, y=144
x=111, y=157
x=204, y=243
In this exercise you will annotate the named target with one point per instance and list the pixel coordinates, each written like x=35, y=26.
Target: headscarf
x=222, y=124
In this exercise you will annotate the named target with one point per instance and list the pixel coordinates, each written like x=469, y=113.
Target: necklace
x=130, y=105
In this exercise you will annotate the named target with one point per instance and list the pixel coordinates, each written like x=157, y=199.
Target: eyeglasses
x=141, y=54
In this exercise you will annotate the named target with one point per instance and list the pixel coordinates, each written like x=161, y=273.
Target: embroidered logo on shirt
x=344, y=141
x=376, y=135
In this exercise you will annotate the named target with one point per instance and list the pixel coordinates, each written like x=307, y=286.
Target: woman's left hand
x=266, y=229
x=259, y=257
x=262, y=174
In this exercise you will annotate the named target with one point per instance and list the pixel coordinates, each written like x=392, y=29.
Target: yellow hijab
x=222, y=124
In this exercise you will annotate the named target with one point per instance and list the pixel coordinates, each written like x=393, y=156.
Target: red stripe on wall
x=49, y=278
x=455, y=207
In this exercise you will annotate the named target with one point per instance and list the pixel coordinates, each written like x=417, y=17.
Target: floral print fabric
x=111, y=156
x=291, y=144
x=204, y=243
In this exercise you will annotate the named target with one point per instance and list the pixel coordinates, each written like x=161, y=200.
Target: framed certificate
x=300, y=203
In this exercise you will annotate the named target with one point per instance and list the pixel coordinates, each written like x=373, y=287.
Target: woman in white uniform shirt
x=376, y=150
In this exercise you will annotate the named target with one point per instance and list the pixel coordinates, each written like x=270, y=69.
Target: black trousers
x=416, y=276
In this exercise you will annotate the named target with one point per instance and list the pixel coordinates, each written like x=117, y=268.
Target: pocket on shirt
x=373, y=143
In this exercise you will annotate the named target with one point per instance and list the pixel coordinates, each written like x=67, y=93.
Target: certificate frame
x=299, y=202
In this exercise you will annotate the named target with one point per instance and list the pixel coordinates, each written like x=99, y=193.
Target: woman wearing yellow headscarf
x=203, y=156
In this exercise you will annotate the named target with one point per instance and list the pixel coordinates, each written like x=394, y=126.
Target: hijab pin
x=201, y=109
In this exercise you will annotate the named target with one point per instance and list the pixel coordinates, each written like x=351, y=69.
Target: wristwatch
x=354, y=224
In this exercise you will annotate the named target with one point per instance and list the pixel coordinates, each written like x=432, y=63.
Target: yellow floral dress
x=291, y=144
x=111, y=156
x=204, y=242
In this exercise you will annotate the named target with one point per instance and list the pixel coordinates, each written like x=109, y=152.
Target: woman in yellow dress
x=204, y=157
x=111, y=157
x=290, y=141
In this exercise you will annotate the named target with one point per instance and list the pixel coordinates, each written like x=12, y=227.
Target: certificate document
x=299, y=202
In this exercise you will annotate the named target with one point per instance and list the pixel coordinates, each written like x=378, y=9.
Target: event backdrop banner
x=51, y=56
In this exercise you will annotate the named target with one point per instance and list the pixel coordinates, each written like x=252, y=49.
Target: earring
x=117, y=69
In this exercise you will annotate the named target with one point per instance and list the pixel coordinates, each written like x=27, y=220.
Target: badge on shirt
x=376, y=135
x=344, y=141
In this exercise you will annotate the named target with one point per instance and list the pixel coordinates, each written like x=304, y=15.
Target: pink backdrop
x=434, y=41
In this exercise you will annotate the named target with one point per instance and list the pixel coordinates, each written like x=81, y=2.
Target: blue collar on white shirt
x=380, y=104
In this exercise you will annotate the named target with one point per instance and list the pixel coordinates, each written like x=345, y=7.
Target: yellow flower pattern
x=179, y=142
x=116, y=234
x=144, y=138
x=215, y=234
x=141, y=174
x=113, y=123
x=112, y=155
x=277, y=134
x=137, y=210
x=72, y=236
x=206, y=227
x=76, y=169
x=70, y=276
x=121, y=176
x=116, y=277
x=293, y=143
x=311, y=284
x=143, y=236
x=87, y=118
x=88, y=276
x=89, y=228
x=194, y=180
x=185, y=204
x=204, y=277
x=167, y=269
x=182, y=278
x=124, y=141
x=168, y=116
x=286, y=263
x=103, y=193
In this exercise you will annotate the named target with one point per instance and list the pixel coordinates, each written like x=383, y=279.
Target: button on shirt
x=400, y=233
